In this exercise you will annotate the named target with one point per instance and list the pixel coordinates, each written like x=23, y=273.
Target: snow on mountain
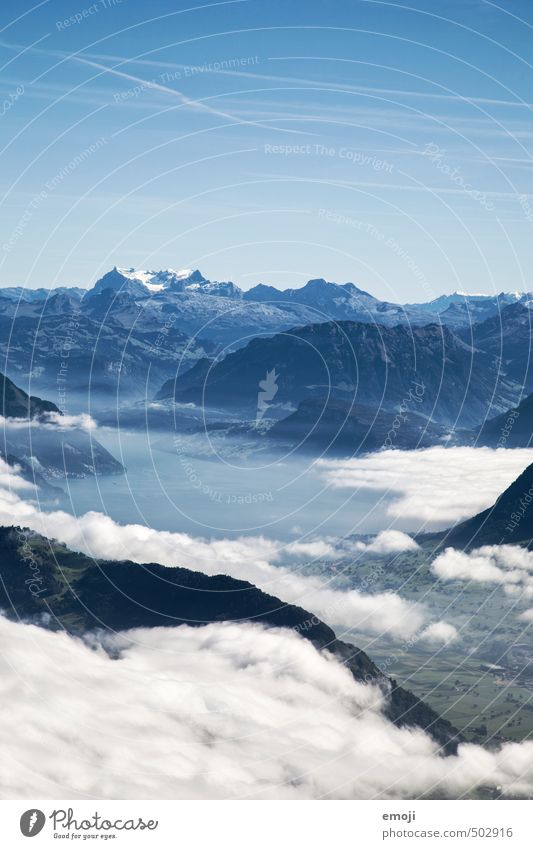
x=22, y=294
x=218, y=289
x=143, y=283
x=133, y=319
x=474, y=300
x=139, y=282
x=222, y=312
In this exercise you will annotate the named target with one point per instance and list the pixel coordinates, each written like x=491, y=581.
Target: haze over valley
x=266, y=407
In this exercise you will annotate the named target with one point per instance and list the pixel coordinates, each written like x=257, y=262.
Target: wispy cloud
x=341, y=85
x=196, y=104
x=508, y=566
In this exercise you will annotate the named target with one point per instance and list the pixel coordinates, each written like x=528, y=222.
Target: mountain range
x=66, y=350
x=428, y=369
x=341, y=301
x=134, y=330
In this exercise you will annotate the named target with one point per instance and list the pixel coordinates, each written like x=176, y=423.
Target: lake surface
x=215, y=489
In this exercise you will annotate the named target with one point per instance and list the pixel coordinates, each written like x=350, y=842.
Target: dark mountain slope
x=44, y=449
x=41, y=579
x=506, y=337
x=328, y=424
x=15, y=403
x=512, y=429
x=102, y=351
x=189, y=380
x=359, y=363
x=57, y=452
x=508, y=521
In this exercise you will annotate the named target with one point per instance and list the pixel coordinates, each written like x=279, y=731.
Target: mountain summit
x=138, y=328
x=141, y=283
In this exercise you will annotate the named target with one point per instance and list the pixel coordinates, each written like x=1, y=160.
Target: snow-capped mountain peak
x=153, y=280
x=188, y=291
x=141, y=283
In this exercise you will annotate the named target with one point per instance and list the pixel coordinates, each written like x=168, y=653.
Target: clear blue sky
x=384, y=143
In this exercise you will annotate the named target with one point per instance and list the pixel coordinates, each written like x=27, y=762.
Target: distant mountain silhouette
x=359, y=363
x=332, y=425
x=135, y=329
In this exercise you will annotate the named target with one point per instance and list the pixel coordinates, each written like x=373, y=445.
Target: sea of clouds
x=222, y=711
x=259, y=560
x=237, y=710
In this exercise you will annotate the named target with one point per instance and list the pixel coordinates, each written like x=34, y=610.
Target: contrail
x=186, y=101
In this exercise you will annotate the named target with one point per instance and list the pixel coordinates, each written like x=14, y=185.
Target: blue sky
x=384, y=143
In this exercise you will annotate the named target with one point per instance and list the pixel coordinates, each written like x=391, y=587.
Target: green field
x=487, y=704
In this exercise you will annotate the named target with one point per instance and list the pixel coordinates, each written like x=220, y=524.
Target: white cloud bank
x=246, y=558
x=437, y=485
x=50, y=421
x=510, y=566
x=83, y=421
x=223, y=711
x=388, y=542
x=439, y=633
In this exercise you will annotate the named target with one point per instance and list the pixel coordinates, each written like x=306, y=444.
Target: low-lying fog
x=213, y=486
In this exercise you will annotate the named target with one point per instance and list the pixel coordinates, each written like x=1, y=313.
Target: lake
x=192, y=484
